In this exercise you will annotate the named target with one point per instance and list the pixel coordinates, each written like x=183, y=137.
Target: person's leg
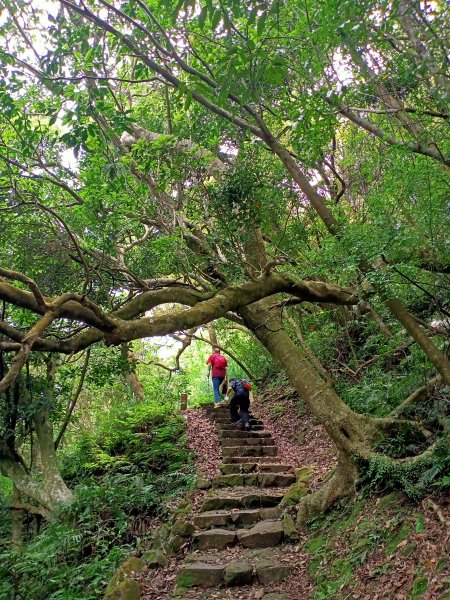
x=234, y=416
x=216, y=381
x=244, y=406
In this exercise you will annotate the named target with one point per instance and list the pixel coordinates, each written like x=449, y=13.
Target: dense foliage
x=270, y=177
x=125, y=471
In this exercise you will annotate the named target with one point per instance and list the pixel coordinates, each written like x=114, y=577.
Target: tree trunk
x=430, y=349
x=136, y=387
x=47, y=491
x=348, y=430
x=351, y=433
x=17, y=534
x=340, y=485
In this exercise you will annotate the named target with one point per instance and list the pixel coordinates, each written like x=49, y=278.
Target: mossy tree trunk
x=353, y=434
x=45, y=489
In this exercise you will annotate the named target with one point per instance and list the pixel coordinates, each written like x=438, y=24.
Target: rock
x=213, y=518
x=238, y=572
x=263, y=535
x=200, y=574
x=301, y=438
x=275, y=479
x=184, y=507
x=128, y=589
x=118, y=586
x=289, y=529
x=229, y=480
x=182, y=528
x=245, y=517
x=275, y=596
x=246, y=500
x=294, y=494
x=161, y=537
x=203, y=483
x=239, y=468
x=155, y=559
x=274, y=468
x=267, y=571
x=303, y=474
x=270, y=514
x=215, y=538
x=174, y=544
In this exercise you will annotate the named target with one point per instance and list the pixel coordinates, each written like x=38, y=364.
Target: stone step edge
x=253, y=467
x=267, y=533
x=208, y=575
x=236, y=517
x=258, y=479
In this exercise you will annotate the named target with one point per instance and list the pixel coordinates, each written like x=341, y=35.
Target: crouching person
x=240, y=401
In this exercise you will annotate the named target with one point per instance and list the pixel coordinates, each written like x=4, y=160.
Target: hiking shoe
x=247, y=427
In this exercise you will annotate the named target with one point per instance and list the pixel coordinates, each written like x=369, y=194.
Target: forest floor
x=366, y=549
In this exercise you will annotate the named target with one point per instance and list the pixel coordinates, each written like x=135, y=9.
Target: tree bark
x=347, y=429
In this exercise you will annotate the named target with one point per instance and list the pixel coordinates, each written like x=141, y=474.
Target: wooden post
x=183, y=403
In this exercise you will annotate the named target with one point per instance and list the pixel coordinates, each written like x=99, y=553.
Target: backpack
x=220, y=362
x=242, y=388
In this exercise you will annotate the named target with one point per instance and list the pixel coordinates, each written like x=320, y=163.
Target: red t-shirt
x=219, y=370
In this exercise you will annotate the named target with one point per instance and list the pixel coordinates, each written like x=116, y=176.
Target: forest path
x=244, y=539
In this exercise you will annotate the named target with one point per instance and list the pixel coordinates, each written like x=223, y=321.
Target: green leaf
x=188, y=100
x=261, y=24
x=216, y=18
x=202, y=16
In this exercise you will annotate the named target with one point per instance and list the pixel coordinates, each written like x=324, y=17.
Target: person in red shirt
x=217, y=367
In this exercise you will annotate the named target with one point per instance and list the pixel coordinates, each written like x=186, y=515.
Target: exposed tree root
x=341, y=484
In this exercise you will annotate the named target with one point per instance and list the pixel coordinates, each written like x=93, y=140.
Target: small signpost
x=183, y=403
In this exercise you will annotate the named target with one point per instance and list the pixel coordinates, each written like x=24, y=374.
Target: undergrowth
x=124, y=475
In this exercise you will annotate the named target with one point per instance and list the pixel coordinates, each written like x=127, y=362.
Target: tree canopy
x=166, y=165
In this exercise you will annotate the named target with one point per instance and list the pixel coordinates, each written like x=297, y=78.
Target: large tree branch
x=415, y=147
x=206, y=307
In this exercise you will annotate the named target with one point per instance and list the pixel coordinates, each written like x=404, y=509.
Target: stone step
x=254, y=467
x=241, y=498
x=236, y=519
x=225, y=420
x=264, y=534
x=250, y=451
x=254, y=479
x=229, y=434
x=250, y=441
x=261, y=460
x=237, y=566
x=199, y=574
x=235, y=427
x=214, y=539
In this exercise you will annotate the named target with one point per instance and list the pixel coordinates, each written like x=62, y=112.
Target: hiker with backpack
x=217, y=367
x=241, y=390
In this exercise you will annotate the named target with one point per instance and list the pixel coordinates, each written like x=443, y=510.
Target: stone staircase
x=239, y=528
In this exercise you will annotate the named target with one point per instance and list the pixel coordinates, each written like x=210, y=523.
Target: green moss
x=443, y=564
x=185, y=580
x=314, y=565
x=420, y=586
x=409, y=549
x=344, y=522
x=314, y=543
x=401, y=534
x=389, y=500
x=342, y=569
x=295, y=492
